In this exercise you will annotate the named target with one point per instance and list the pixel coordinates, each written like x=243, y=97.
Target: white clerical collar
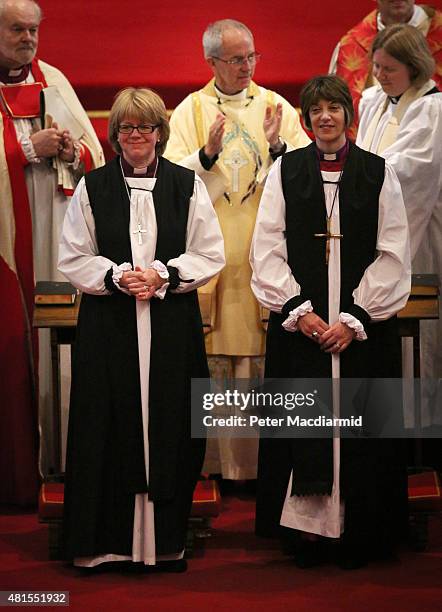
x=419, y=15
x=241, y=95
x=140, y=184
x=330, y=175
x=140, y=170
x=16, y=72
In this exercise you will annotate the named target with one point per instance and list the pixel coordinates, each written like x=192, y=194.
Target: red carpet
x=232, y=570
x=104, y=45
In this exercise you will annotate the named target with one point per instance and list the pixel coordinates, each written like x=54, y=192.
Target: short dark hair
x=409, y=47
x=326, y=87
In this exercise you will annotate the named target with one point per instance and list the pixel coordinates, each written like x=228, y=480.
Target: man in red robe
x=39, y=169
x=351, y=60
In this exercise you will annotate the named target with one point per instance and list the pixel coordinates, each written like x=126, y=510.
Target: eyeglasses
x=126, y=128
x=252, y=58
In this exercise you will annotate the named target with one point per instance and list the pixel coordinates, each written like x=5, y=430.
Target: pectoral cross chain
x=328, y=236
x=139, y=231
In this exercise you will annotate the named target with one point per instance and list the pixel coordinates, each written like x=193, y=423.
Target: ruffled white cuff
x=354, y=324
x=291, y=323
x=163, y=272
x=28, y=150
x=117, y=273
x=77, y=156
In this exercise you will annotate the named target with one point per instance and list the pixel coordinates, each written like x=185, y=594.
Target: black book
x=424, y=284
x=54, y=293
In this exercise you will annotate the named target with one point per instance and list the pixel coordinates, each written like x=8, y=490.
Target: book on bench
x=424, y=284
x=54, y=293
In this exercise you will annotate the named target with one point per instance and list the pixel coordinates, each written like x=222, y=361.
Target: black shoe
x=351, y=559
x=103, y=568
x=310, y=554
x=352, y=562
x=177, y=566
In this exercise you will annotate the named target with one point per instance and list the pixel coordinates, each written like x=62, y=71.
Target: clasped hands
x=142, y=284
x=271, y=127
x=53, y=142
x=331, y=338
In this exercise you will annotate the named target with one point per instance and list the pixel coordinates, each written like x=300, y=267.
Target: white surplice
x=416, y=156
x=48, y=205
x=79, y=260
x=382, y=292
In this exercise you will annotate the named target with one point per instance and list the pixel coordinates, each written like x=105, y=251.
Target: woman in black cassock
x=330, y=259
x=139, y=237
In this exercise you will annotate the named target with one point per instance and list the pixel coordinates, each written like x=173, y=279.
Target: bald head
x=19, y=23
x=395, y=11
x=5, y=4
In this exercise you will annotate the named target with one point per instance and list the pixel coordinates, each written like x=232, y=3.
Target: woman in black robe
x=330, y=259
x=139, y=237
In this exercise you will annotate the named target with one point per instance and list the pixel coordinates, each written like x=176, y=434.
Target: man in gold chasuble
x=230, y=132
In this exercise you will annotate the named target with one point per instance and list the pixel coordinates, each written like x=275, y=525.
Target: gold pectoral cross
x=328, y=236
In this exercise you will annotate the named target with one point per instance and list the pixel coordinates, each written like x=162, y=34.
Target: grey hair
x=213, y=35
x=3, y=4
